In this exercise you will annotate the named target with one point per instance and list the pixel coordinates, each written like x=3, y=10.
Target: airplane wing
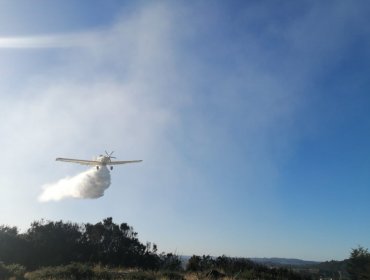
x=80, y=161
x=122, y=162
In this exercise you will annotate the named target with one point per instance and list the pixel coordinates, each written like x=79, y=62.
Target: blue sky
x=251, y=117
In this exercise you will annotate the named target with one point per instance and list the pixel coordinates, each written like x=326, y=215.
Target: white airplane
x=102, y=160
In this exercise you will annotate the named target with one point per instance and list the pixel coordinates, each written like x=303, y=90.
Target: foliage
x=83, y=271
x=193, y=263
x=172, y=275
x=237, y=268
x=330, y=269
x=71, y=271
x=64, y=250
x=359, y=264
x=197, y=263
x=54, y=243
x=48, y=243
x=170, y=262
x=113, y=244
x=12, y=271
x=235, y=265
x=12, y=248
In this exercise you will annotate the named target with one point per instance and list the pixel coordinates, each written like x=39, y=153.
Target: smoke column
x=89, y=184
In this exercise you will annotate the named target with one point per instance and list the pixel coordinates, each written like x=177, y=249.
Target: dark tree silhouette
x=170, y=262
x=108, y=243
x=194, y=263
x=48, y=243
x=12, y=248
x=53, y=243
x=359, y=264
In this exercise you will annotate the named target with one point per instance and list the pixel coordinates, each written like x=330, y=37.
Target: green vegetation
x=82, y=271
x=105, y=250
x=359, y=264
x=48, y=243
x=238, y=268
x=14, y=271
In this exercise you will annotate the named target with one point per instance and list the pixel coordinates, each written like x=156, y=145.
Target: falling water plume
x=89, y=184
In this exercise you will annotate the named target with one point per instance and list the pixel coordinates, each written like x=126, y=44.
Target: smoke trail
x=89, y=184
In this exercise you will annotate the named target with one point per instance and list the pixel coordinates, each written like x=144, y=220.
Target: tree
x=359, y=264
x=53, y=243
x=170, y=262
x=12, y=247
x=48, y=243
x=113, y=244
x=193, y=263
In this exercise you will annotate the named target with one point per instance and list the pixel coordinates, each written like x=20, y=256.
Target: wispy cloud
x=80, y=106
x=198, y=121
x=49, y=41
x=211, y=105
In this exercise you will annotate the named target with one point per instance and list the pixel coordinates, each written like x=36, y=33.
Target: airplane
x=102, y=160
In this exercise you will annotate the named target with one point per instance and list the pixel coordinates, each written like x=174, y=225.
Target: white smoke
x=89, y=184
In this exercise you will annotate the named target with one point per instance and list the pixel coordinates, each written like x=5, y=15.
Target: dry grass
x=200, y=276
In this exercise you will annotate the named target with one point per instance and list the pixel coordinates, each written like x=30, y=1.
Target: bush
x=72, y=271
x=171, y=275
x=78, y=271
x=140, y=275
x=13, y=271
x=170, y=262
x=359, y=264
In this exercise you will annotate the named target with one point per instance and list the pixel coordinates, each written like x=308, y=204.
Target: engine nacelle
x=97, y=167
x=111, y=168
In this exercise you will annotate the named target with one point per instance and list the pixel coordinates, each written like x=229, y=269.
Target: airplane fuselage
x=104, y=160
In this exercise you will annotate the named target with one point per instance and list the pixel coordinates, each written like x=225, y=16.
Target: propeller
x=110, y=154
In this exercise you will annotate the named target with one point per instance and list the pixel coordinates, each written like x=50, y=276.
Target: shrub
x=71, y=271
x=12, y=271
x=171, y=275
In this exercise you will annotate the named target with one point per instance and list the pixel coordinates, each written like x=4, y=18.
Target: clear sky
x=252, y=118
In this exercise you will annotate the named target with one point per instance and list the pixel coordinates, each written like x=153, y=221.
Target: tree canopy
x=48, y=243
x=359, y=264
x=61, y=244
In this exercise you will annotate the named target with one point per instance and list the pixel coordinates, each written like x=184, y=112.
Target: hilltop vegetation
x=48, y=243
x=105, y=250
